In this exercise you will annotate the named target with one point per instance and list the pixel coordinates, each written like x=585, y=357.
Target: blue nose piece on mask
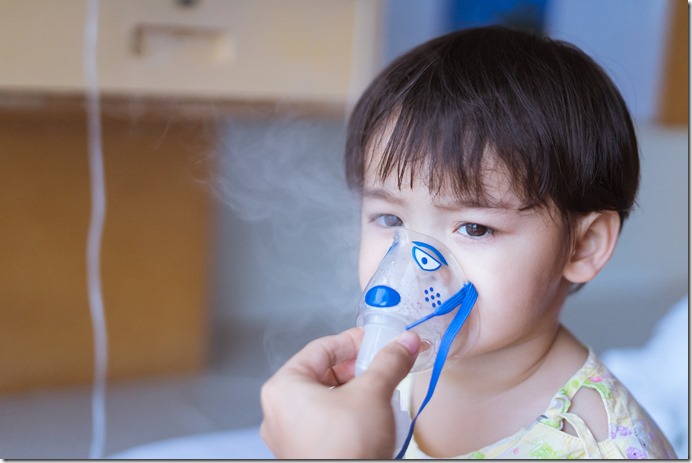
x=382, y=296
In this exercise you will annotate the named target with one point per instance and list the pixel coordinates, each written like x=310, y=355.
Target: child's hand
x=314, y=408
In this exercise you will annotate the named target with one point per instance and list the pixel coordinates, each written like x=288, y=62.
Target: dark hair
x=542, y=107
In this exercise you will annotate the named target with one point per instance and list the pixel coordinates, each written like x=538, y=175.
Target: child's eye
x=388, y=220
x=474, y=230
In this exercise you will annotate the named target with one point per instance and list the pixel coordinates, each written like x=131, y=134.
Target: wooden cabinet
x=156, y=245
x=289, y=50
x=168, y=71
x=674, y=95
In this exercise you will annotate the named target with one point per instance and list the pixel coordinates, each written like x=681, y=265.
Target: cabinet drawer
x=297, y=50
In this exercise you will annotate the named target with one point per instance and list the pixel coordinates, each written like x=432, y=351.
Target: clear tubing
x=95, y=234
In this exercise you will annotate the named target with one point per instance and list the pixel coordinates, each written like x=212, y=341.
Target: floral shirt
x=633, y=434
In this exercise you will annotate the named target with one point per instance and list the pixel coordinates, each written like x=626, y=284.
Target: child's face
x=514, y=258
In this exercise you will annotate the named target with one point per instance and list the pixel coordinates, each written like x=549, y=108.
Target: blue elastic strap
x=466, y=298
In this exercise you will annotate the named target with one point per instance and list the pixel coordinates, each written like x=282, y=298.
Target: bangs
x=449, y=152
x=446, y=113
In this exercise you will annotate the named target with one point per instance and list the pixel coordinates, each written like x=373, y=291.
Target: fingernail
x=410, y=341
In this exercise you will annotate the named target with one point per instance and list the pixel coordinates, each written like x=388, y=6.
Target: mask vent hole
x=425, y=346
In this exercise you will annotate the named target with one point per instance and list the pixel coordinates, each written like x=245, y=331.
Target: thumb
x=391, y=365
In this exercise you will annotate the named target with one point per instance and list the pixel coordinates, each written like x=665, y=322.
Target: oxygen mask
x=417, y=286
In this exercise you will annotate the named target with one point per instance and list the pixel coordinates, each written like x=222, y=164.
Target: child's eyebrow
x=453, y=205
x=379, y=193
x=476, y=203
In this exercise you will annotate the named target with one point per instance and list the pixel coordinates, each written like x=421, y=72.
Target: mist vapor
x=283, y=177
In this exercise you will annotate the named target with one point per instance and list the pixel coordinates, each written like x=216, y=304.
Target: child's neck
x=484, y=399
x=504, y=369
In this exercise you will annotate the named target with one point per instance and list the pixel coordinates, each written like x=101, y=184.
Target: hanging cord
x=465, y=299
x=95, y=234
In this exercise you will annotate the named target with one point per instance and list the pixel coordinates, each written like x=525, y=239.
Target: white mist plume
x=285, y=175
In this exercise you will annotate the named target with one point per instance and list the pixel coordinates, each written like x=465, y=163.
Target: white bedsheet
x=657, y=374
x=232, y=444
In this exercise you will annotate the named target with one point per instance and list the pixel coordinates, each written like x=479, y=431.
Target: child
x=518, y=153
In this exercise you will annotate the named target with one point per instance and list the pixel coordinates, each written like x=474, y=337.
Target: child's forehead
x=497, y=189
x=451, y=160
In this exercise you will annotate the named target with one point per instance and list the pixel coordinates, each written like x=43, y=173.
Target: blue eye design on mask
x=427, y=257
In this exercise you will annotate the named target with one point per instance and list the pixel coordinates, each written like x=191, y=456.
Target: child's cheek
x=367, y=263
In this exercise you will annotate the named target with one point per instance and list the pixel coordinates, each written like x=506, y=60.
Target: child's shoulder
x=598, y=409
x=566, y=428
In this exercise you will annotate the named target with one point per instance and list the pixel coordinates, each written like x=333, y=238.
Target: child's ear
x=597, y=234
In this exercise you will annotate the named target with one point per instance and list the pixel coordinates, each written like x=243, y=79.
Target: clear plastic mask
x=416, y=276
